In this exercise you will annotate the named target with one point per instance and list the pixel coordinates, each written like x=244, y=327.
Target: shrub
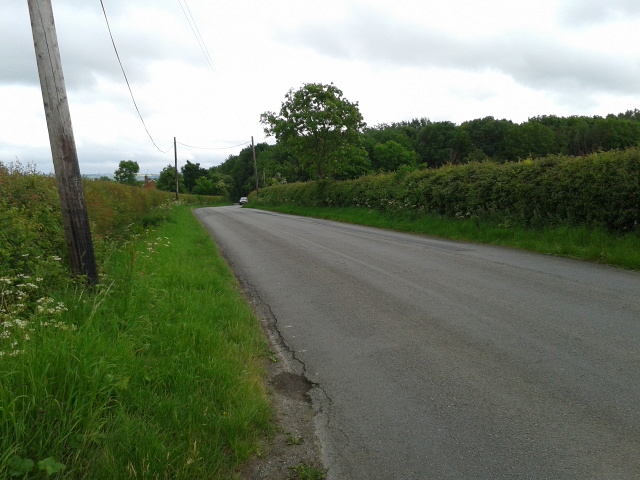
x=599, y=190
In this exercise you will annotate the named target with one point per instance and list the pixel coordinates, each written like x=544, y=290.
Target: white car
x=243, y=200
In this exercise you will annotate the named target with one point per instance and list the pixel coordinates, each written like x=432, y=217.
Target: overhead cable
x=127, y=80
x=208, y=148
x=196, y=33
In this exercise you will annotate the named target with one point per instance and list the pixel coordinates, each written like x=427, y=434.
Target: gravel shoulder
x=295, y=443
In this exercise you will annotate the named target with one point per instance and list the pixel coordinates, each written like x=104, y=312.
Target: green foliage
x=126, y=173
x=20, y=467
x=50, y=466
x=426, y=143
x=237, y=171
x=214, y=184
x=322, y=129
x=278, y=165
x=191, y=172
x=167, y=180
x=143, y=376
x=598, y=191
x=30, y=221
x=441, y=143
x=306, y=472
x=31, y=229
x=390, y=156
x=304, y=153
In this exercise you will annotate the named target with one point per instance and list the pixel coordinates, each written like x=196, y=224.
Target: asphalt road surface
x=438, y=359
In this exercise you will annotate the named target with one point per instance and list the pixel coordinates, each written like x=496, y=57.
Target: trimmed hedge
x=599, y=190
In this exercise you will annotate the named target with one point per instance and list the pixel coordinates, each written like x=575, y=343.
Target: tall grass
x=31, y=223
x=155, y=373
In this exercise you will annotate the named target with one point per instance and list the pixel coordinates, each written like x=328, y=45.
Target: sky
x=203, y=71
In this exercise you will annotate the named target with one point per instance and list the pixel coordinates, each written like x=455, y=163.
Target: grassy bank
x=582, y=243
x=155, y=374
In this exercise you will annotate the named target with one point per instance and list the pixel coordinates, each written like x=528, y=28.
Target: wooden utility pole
x=255, y=166
x=175, y=155
x=63, y=145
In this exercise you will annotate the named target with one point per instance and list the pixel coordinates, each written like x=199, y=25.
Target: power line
x=196, y=33
x=207, y=148
x=127, y=80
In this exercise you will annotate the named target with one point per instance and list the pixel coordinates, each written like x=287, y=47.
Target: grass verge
x=594, y=245
x=155, y=374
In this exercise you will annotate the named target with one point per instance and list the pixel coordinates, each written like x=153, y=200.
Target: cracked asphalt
x=447, y=360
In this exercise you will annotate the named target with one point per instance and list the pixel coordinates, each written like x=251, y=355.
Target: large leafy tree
x=191, y=172
x=127, y=171
x=322, y=129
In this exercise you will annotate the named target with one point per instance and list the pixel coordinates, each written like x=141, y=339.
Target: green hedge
x=31, y=228
x=599, y=190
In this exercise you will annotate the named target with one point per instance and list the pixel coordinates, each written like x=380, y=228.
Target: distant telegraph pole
x=175, y=156
x=255, y=165
x=63, y=145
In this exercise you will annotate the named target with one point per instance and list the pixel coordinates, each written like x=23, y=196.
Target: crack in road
x=316, y=396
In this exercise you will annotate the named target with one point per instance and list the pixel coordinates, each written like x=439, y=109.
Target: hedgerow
x=601, y=190
x=31, y=228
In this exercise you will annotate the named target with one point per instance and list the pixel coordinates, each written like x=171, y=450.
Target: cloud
x=590, y=12
x=453, y=60
x=85, y=45
x=530, y=57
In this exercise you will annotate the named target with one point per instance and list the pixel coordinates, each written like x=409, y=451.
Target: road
x=448, y=360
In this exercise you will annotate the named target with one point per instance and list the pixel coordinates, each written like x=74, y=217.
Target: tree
x=441, y=143
x=126, y=172
x=213, y=184
x=192, y=172
x=322, y=129
x=167, y=180
x=390, y=156
x=240, y=169
x=490, y=135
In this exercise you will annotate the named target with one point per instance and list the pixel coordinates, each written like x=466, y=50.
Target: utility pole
x=175, y=155
x=255, y=165
x=63, y=146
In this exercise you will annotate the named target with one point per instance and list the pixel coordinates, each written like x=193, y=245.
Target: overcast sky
x=452, y=60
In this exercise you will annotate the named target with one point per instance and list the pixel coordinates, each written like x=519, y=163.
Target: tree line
x=192, y=178
x=317, y=117
x=319, y=134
